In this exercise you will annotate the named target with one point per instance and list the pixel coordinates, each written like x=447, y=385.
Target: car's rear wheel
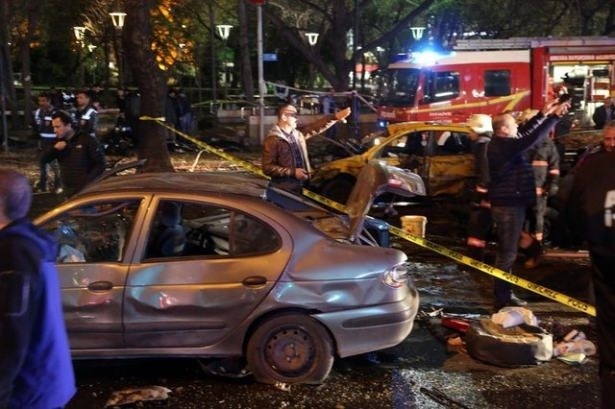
x=339, y=188
x=290, y=348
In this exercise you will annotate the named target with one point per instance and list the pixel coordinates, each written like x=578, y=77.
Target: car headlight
x=397, y=276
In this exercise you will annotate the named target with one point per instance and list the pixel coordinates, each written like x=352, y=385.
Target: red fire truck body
x=491, y=76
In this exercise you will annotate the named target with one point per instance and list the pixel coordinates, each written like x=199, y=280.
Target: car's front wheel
x=290, y=348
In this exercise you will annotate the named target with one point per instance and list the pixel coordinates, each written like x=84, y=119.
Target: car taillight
x=396, y=277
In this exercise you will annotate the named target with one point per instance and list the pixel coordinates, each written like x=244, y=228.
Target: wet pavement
x=421, y=372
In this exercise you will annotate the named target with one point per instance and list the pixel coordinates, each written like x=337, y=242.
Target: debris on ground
x=132, y=395
x=282, y=386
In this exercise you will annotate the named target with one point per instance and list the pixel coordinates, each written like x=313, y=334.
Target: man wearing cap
x=285, y=156
x=511, y=185
x=605, y=112
x=480, y=215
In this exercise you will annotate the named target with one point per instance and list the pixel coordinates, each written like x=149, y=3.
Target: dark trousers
x=536, y=219
x=604, y=291
x=46, y=144
x=479, y=224
x=508, y=221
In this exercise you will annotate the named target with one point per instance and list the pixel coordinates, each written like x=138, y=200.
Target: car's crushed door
x=196, y=291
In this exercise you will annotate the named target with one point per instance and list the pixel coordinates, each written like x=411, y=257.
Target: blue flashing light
x=382, y=124
x=429, y=56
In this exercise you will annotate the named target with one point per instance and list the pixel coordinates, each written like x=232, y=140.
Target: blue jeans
x=509, y=221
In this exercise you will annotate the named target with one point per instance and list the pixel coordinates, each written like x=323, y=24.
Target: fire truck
x=491, y=76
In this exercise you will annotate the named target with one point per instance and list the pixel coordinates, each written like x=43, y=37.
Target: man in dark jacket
x=590, y=212
x=37, y=371
x=606, y=112
x=285, y=156
x=80, y=155
x=511, y=186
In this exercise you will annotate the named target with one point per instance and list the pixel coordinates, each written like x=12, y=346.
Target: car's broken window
x=182, y=229
x=94, y=233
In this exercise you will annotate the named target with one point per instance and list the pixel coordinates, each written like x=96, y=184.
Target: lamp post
x=417, y=32
x=312, y=39
x=224, y=31
x=117, y=18
x=79, y=33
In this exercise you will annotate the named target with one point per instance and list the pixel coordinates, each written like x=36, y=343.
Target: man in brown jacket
x=285, y=156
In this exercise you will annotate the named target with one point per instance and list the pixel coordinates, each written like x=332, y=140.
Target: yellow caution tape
x=209, y=148
x=460, y=258
x=497, y=273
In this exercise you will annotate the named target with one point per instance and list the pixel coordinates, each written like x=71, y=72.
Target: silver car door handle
x=254, y=281
x=100, y=286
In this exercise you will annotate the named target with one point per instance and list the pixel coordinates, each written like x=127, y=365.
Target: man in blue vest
x=47, y=138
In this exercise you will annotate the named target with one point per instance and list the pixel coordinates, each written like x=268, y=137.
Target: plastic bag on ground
x=511, y=316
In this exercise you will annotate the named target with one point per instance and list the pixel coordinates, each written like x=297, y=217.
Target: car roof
x=217, y=182
x=420, y=125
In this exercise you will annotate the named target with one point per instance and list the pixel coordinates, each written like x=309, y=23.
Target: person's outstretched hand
x=342, y=114
x=556, y=108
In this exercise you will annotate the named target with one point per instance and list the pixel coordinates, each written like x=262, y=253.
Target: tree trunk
x=26, y=80
x=7, y=65
x=244, y=51
x=137, y=37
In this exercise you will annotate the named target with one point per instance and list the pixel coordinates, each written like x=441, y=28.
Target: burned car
x=439, y=152
x=203, y=265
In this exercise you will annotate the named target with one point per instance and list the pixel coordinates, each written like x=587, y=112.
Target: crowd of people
x=60, y=164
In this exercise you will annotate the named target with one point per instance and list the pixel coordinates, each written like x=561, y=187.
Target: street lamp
x=224, y=31
x=417, y=32
x=312, y=39
x=79, y=32
x=117, y=18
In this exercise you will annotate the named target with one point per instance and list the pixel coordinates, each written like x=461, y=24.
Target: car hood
x=375, y=179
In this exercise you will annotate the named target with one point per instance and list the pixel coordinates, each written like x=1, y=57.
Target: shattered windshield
x=401, y=90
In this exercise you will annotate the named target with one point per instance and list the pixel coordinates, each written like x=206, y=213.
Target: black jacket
x=590, y=209
x=511, y=176
x=603, y=114
x=81, y=161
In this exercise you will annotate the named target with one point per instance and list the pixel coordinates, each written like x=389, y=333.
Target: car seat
x=170, y=238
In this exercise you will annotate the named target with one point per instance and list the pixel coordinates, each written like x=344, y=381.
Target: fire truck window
x=441, y=86
x=497, y=83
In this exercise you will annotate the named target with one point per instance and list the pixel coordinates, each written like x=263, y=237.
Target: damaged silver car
x=204, y=265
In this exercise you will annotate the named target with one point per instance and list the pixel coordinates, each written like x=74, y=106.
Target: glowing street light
x=417, y=32
x=312, y=38
x=117, y=18
x=79, y=32
x=224, y=30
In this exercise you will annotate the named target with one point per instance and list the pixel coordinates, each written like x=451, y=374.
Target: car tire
x=290, y=348
x=339, y=189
